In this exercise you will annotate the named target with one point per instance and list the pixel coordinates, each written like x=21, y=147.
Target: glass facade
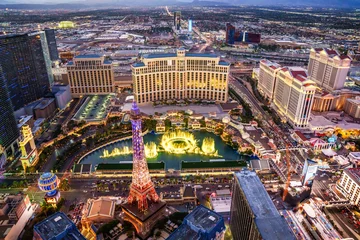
x=40, y=52
x=9, y=131
x=24, y=68
x=51, y=42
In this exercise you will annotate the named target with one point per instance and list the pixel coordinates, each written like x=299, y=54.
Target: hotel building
x=349, y=184
x=180, y=75
x=352, y=107
x=253, y=215
x=294, y=95
x=267, y=78
x=90, y=75
x=334, y=101
x=328, y=68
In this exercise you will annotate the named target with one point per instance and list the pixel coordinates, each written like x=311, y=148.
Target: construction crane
x=288, y=166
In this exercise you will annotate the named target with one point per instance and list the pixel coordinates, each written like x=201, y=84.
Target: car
x=85, y=191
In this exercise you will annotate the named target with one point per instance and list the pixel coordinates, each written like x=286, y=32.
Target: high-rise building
x=201, y=223
x=309, y=172
x=9, y=132
x=41, y=56
x=29, y=154
x=190, y=25
x=144, y=207
x=180, y=76
x=352, y=107
x=24, y=69
x=234, y=35
x=253, y=214
x=51, y=42
x=267, y=78
x=230, y=34
x=90, y=75
x=328, y=68
x=177, y=20
x=349, y=185
x=294, y=95
x=56, y=227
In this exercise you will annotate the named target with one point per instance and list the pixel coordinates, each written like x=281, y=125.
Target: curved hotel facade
x=180, y=75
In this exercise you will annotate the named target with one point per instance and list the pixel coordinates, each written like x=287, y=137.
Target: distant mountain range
x=17, y=4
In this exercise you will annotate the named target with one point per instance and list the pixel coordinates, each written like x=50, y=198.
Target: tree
x=64, y=185
x=186, y=121
x=167, y=124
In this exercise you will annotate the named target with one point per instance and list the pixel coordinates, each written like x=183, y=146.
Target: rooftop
x=101, y=207
x=354, y=174
x=159, y=55
x=199, y=224
x=354, y=101
x=224, y=63
x=57, y=224
x=139, y=64
x=267, y=218
x=166, y=55
x=44, y=103
x=88, y=56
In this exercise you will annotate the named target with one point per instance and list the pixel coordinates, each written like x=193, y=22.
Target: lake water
x=172, y=161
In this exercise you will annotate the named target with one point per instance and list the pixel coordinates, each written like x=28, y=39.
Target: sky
x=339, y=3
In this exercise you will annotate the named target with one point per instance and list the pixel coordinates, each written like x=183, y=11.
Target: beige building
x=90, y=75
x=352, y=107
x=334, y=101
x=328, y=68
x=267, y=77
x=99, y=210
x=180, y=75
x=294, y=95
x=349, y=184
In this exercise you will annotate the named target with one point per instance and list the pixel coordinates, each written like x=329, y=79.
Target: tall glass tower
x=9, y=131
x=24, y=68
x=51, y=42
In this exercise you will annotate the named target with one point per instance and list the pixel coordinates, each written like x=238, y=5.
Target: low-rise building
x=354, y=157
x=99, y=210
x=62, y=95
x=45, y=109
x=352, y=107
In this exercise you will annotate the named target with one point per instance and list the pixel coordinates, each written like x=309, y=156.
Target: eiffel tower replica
x=144, y=207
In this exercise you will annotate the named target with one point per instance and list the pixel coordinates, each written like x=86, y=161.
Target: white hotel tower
x=180, y=75
x=328, y=68
x=294, y=95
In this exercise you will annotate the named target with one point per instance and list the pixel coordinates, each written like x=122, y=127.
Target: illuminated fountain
x=151, y=150
x=179, y=142
x=208, y=146
x=116, y=152
x=176, y=142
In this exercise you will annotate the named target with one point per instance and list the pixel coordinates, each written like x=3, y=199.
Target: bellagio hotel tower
x=180, y=75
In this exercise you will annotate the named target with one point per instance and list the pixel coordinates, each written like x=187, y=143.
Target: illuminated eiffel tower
x=144, y=208
x=141, y=188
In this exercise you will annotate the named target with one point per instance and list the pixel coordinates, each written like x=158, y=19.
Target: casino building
x=180, y=75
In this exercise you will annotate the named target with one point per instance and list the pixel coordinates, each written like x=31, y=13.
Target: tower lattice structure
x=142, y=188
